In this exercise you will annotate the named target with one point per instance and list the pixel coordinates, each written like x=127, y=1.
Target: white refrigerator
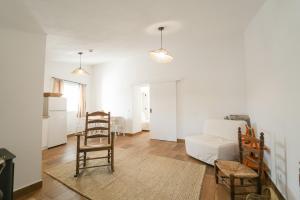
x=56, y=113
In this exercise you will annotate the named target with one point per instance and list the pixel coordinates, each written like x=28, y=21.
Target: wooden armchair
x=237, y=176
x=97, y=125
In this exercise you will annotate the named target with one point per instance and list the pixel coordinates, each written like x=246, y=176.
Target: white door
x=163, y=111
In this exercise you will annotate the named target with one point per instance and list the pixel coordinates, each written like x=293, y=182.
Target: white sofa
x=219, y=140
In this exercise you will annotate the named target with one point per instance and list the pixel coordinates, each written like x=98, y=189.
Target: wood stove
x=7, y=174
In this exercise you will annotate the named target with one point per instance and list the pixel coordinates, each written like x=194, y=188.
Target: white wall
x=272, y=43
x=211, y=74
x=63, y=71
x=22, y=53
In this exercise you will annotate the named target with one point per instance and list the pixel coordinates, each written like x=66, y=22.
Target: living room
x=163, y=70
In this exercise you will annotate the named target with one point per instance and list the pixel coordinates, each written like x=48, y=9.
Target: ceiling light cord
x=80, y=53
x=161, y=38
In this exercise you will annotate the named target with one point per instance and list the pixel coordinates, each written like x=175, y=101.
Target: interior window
x=71, y=93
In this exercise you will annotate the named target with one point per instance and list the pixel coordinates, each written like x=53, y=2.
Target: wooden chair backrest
x=100, y=121
x=252, y=148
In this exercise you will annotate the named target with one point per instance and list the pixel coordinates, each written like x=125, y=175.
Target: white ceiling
x=14, y=15
x=118, y=29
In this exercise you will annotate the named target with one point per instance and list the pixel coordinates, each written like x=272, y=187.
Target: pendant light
x=80, y=70
x=161, y=55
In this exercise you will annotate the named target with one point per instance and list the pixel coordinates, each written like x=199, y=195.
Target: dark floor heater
x=6, y=175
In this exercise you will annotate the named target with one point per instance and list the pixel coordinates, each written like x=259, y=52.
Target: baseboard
x=180, y=140
x=133, y=134
x=44, y=148
x=25, y=190
x=73, y=134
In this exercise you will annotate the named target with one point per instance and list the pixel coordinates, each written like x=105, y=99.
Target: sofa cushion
x=208, y=148
x=227, y=129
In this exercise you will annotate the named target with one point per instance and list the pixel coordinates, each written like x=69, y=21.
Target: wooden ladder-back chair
x=100, y=129
x=253, y=143
x=236, y=175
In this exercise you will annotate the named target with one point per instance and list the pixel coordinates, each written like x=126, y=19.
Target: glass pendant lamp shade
x=80, y=70
x=161, y=55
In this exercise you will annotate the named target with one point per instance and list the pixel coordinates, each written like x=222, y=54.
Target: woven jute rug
x=137, y=176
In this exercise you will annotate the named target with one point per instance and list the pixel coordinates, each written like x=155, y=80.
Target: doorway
x=145, y=101
x=154, y=110
x=141, y=108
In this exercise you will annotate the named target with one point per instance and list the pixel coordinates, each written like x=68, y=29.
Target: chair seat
x=235, y=168
x=90, y=147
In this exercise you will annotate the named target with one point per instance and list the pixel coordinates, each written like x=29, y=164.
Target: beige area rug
x=137, y=176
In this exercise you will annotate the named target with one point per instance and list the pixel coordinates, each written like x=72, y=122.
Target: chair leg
x=112, y=160
x=108, y=155
x=77, y=164
x=232, y=188
x=259, y=185
x=84, y=159
x=216, y=173
x=77, y=155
